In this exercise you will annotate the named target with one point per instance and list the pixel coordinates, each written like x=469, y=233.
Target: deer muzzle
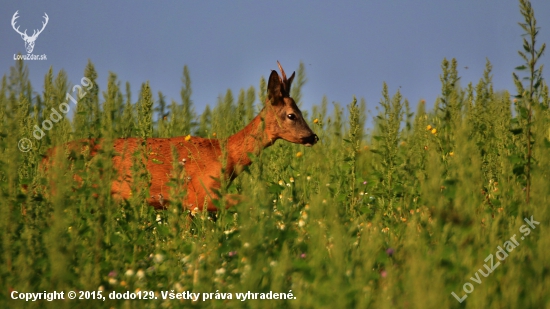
x=310, y=140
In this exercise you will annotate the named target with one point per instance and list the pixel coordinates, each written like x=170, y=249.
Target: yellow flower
x=299, y=154
x=188, y=138
x=214, y=134
x=434, y=131
x=429, y=127
x=316, y=120
x=451, y=154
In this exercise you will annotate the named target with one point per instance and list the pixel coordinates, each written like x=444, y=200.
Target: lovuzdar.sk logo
x=29, y=40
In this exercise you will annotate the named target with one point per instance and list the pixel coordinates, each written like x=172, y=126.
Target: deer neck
x=251, y=139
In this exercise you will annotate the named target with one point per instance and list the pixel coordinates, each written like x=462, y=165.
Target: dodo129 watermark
x=25, y=144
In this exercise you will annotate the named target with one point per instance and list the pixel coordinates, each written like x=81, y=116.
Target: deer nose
x=311, y=140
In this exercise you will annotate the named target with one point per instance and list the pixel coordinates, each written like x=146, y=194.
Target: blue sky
x=349, y=47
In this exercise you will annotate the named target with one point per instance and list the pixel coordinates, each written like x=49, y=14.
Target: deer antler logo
x=29, y=40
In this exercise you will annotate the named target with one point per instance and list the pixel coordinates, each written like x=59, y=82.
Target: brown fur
x=202, y=156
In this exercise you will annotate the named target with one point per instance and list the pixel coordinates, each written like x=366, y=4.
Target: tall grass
x=398, y=218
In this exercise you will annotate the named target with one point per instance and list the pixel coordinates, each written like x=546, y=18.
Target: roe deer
x=202, y=158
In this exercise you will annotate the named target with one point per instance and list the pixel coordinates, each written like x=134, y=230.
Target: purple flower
x=112, y=273
x=389, y=251
x=303, y=256
x=365, y=182
x=232, y=253
x=383, y=274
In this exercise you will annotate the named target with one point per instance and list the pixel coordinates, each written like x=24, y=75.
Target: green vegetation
x=398, y=218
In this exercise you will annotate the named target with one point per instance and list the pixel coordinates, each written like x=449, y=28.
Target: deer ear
x=289, y=82
x=274, y=88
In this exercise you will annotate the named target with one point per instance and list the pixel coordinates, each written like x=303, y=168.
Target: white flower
x=158, y=258
x=140, y=273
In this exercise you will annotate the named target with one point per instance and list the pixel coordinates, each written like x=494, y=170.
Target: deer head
x=284, y=119
x=29, y=40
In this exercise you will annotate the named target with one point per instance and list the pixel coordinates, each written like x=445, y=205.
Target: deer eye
x=291, y=116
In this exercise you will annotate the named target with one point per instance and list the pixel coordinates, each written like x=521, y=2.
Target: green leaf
x=162, y=230
x=516, y=131
x=537, y=84
x=515, y=159
x=217, y=203
x=521, y=68
x=341, y=197
x=518, y=170
x=275, y=188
